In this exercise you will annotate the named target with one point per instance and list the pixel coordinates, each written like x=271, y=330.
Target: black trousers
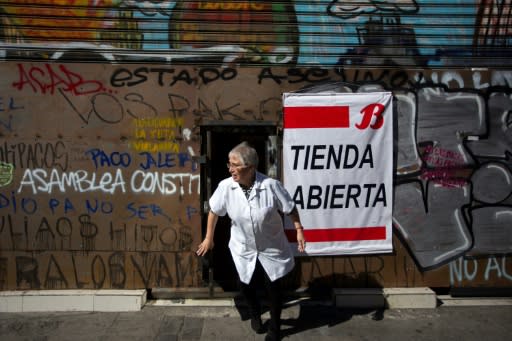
x=260, y=280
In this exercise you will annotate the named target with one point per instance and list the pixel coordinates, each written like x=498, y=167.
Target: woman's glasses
x=231, y=165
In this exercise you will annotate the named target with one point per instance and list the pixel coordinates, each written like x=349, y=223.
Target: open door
x=216, y=142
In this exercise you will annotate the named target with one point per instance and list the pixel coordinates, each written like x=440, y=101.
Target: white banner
x=338, y=167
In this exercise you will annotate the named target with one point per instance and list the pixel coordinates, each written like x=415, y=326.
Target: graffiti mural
x=455, y=33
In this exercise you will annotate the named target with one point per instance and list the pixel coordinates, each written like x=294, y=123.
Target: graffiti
x=115, y=270
x=49, y=78
x=150, y=8
x=161, y=128
x=7, y=125
x=493, y=26
x=439, y=157
x=393, y=78
x=43, y=22
x=40, y=181
x=108, y=109
x=112, y=109
x=350, y=10
x=67, y=206
x=37, y=155
x=114, y=159
x=93, y=206
x=295, y=75
x=10, y=105
x=81, y=181
x=339, y=272
x=470, y=269
x=383, y=28
x=163, y=183
x=100, y=158
x=6, y=172
x=326, y=32
x=85, y=232
x=105, y=270
x=88, y=232
x=146, y=211
x=27, y=270
x=154, y=267
x=227, y=6
x=80, y=212
x=25, y=205
x=449, y=164
x=444, y=166
x=168, y=77
x=166, y=160
x=239, y=25
x=105, y=213
x=154, y=147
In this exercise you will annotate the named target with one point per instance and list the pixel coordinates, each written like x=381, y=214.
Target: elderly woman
x=258, y=243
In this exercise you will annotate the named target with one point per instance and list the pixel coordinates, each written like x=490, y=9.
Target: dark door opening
x=216, y=142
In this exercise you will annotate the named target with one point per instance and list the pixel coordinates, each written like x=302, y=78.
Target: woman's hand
x=204, y=247
x=207, y=243
x=301, y=241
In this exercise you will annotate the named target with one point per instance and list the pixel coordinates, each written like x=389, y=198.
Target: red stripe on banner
x=316, y=117
x=339, y=234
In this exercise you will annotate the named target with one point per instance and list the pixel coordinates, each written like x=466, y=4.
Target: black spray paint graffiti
x=134, y=105
x=37, y=155
x=104, y=271
x=340, y=272
x=87, y=234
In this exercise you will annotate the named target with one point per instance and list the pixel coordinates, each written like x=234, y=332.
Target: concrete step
x=200, y=303
x=72, y=300
x=390, y=298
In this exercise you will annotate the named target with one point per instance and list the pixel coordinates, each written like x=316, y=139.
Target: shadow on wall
x=320, y=288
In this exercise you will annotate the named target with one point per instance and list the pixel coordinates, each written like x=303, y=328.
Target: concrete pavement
x=473, y=319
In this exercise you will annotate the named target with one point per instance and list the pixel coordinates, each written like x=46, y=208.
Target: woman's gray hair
x=246, y=153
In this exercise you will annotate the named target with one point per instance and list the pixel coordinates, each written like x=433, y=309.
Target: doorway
x=217, y=140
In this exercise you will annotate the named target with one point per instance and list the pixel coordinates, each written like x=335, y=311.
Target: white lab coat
x=257, y=228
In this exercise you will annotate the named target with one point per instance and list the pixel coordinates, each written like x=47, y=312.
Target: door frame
x=217, y=139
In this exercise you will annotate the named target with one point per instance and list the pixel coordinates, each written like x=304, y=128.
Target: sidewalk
x=302, y=320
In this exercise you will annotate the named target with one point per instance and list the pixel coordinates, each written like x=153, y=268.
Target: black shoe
x=256, y=325
x=272, y=335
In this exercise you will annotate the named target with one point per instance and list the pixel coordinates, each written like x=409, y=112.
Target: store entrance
x=216, y=142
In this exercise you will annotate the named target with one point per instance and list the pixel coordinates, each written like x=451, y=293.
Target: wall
x=100, y=175
x=99, y=160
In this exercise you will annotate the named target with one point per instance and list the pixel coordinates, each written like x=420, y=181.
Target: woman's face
x=240, y=173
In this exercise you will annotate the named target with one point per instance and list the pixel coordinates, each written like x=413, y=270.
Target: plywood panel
x=100, y=175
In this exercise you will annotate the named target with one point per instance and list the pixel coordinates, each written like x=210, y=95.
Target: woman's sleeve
x=286, y=203
x=217, y=201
